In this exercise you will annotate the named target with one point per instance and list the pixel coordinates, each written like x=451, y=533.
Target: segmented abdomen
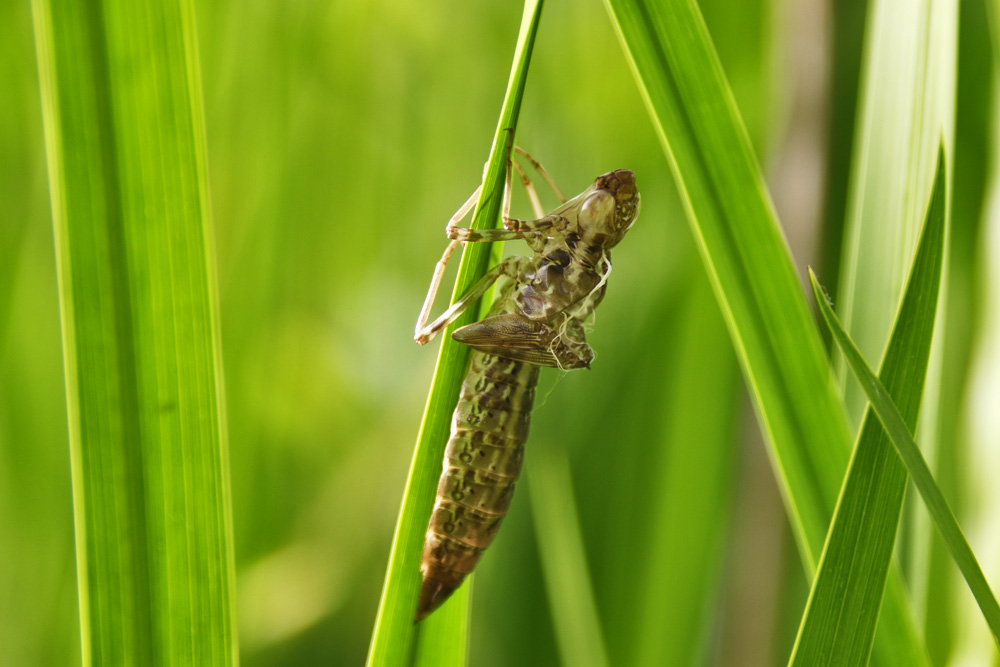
x=482, y=463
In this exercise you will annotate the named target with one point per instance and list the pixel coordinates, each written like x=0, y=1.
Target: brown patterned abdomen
x=482, y=463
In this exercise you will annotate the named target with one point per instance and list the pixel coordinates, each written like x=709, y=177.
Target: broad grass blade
x=125, y=142
x=932, y=581
x=907, y=100
x=747, y=259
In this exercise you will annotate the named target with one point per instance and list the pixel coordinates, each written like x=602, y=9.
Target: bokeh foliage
x=340, y=138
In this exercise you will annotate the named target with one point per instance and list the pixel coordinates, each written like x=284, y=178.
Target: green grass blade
x=393, y=634
x=443, y=640
x=906, y=102
x=839, y=623
x=743, y=248
x=755, y=282
x=932, y=579
x=124, y=133
x=847, y=31
x=907, y=96
x=895, y=425
x=562, y=553
x=993, y=18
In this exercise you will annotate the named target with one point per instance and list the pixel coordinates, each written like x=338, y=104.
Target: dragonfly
x=537, y=320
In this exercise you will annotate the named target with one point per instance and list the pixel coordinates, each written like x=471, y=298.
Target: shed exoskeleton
x=536, y=320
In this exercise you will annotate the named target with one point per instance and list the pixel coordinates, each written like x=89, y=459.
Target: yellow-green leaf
x=125, y=145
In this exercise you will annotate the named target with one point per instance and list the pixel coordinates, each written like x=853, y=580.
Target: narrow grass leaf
x=839, y=622
x=392, y=638
x=747, y=259
x=124, y=133
x=899, y=433
x=564, y=565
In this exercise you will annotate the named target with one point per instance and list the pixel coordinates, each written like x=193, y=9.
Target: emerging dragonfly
x=536, y=320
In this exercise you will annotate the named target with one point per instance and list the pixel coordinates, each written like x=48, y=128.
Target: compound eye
x=597, y=212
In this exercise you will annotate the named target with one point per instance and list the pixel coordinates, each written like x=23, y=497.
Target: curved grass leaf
x=122, y=112
x=839, y=623
x=747, y=259
x=899, y=433
x=392, y=637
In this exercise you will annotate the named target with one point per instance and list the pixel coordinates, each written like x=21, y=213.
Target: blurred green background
x=341, y=136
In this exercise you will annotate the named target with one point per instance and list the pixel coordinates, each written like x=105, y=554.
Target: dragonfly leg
x=513, y=229
x=541, y=170
x=442, y=264
x=529, y=187
x=531, y=231
x=462, y=211
x=505, y=209
x=466, y=234
x=425, y=310
x=509, y=233
x=509, y=267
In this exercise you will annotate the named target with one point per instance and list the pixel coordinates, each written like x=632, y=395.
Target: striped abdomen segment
x=482, y=463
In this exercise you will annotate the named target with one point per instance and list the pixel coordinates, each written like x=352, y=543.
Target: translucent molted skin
x=482, y=464
x=537, y=320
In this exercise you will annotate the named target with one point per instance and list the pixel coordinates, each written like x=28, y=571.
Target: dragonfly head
x=609, y=208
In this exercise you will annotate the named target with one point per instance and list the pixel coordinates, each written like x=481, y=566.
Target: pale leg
x=530, y=230
x=541, y=170
x=439, y=268
x=509, y=267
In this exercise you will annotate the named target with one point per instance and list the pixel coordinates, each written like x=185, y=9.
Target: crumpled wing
x=516, y=337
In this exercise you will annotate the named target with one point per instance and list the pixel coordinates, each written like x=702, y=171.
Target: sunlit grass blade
x=932, y=580
x=392, y=637
x=443, y=639
x=743, y=248
x=562, y=553
x=747, y=259
x=993, y=15
x=906, y=101
x=839, y=623
x=125, y=146
x=899, y=433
